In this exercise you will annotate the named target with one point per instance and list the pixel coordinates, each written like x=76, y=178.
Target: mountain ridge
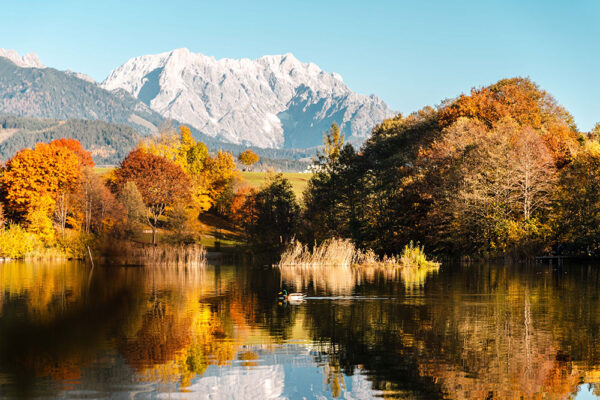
x=273, y=101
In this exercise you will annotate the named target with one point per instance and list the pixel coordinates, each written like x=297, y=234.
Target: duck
x=291, y=297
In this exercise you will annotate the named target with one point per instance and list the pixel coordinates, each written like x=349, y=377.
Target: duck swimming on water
x=291, y=297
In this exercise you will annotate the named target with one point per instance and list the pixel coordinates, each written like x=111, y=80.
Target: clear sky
x=409, y=53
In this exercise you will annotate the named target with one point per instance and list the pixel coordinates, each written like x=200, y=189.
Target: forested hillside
x=108, y=143
x=49, y=93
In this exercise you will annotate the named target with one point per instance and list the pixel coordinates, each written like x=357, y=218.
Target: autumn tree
x=84, y=156
x=160, y=181
x=532, y=171
x=595, y=133
x=45, y=171
x=241, y=211
x=210, y=175
x=527, y=104
x=218, y=174
x=248, y=157
x=95, y=203
x=131, y=199
x=333, y=141
x=577, y=208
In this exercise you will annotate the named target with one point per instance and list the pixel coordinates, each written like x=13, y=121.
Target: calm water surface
x=479, y=332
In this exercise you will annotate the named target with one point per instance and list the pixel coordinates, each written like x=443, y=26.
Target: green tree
x=275, y=214
x=321, y=197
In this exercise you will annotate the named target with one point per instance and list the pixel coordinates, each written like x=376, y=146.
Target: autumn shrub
x=414, y=256
x=16, y=242
x=74, y=244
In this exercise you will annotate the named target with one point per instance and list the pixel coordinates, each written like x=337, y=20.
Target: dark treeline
x=502, y=171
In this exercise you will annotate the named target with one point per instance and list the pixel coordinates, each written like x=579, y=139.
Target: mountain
x=28, y=88
x=30, y=60
x=271, y=102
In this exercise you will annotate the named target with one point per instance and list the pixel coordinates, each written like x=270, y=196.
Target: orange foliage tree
x=524, y=102
x=242, y=206
x=33, y=174
x=84, y=156
x=160, y=181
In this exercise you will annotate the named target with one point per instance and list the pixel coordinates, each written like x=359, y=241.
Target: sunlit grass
x=299, y=180
x=103, y=170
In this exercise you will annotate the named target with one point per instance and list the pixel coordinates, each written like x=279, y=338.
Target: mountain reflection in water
x=477, y=332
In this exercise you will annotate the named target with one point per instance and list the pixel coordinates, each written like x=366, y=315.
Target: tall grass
x=342, y=252
x=164, y=255
x=339, y=252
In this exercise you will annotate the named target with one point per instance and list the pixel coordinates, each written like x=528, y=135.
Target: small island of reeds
x=344, y=253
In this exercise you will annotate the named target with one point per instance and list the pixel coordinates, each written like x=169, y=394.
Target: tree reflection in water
x=464, y=332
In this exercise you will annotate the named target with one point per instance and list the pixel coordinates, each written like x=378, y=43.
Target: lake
x=477, y=331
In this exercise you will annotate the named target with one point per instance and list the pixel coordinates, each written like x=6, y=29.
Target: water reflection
x=464, y=332
x=340, y=280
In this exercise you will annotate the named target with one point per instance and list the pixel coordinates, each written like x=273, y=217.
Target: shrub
x=414, y=256
x=16, y=242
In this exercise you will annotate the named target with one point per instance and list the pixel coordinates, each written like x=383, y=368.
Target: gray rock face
x=274, y=101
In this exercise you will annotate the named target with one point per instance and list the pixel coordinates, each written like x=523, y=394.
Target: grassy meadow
x=299, y=180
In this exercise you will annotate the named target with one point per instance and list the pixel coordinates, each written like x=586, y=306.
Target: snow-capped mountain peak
x=273, y=101
x=30, y=60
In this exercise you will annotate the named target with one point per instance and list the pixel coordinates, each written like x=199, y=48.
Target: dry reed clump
x=342, y=252
x=337, y=252
x=166, y=255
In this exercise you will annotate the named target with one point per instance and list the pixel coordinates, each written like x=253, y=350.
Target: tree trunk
x=153, y=234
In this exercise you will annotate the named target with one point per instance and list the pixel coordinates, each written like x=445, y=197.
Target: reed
x=164, y=255
x=343, y=253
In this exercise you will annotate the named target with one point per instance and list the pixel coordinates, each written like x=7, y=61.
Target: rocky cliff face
x=273, y=101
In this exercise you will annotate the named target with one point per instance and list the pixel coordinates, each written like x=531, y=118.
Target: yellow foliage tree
x=210, y=175
x=248, y=157
x=39, y=221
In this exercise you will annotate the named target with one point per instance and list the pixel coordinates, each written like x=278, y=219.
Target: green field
x=299, y=180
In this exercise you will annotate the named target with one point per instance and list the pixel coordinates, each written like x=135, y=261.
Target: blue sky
x=409, y=53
